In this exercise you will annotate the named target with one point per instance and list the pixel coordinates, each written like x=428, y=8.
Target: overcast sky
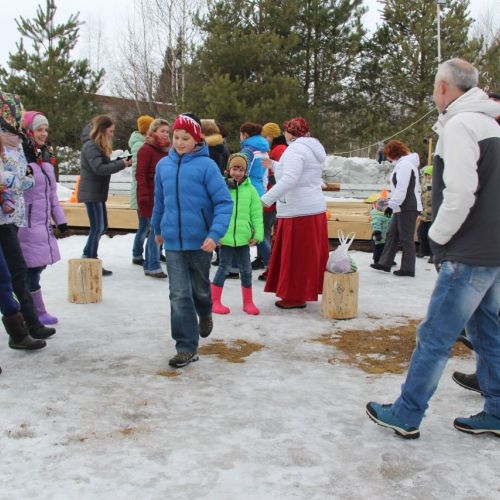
x=111, y=16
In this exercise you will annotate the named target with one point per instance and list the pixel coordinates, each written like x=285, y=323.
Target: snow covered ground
x=93, y=415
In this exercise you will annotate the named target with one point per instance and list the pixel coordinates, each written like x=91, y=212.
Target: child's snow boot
x=44, y=317
x=248, y=305
x=217, y=306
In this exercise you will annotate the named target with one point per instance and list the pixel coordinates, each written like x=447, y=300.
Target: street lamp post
x=439, y=4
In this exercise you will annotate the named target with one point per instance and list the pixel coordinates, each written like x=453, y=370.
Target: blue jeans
x=228, y=255
x=152, y=260
x=190, y=295
x=98, y=222
x=33, y=278
x=9, y=304
x=141, y=234
x=464, y=296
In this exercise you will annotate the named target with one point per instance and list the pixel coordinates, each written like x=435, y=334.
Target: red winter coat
x=147, y=158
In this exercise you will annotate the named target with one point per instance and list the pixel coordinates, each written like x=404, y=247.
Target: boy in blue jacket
x=192, y=211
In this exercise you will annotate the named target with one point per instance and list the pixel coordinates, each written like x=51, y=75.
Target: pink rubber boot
x=217, y=306
x=248, y=305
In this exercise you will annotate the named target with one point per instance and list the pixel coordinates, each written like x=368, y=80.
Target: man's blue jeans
x=152, y=260
x=464, y=296
x=140, y=236
x=190, y=295
x=98, y=223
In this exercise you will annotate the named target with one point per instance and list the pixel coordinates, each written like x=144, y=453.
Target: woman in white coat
x=404, y=206
x=300, y=250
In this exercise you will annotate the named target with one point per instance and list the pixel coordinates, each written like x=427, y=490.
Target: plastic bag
x=339, y=260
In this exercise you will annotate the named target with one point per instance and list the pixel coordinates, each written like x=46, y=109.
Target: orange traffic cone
x=74, y=195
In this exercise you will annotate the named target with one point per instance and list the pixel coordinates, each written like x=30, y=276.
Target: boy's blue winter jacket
x=192, y=201
x=255, y=170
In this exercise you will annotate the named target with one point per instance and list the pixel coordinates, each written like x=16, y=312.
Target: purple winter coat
x=38, y=242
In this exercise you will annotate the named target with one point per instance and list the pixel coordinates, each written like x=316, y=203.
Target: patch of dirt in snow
x=235, y=351
x=385, y=350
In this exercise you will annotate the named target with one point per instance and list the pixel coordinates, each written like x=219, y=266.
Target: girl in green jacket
x=246, y=229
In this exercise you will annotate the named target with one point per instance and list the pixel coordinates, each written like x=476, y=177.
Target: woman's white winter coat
x=297, y=191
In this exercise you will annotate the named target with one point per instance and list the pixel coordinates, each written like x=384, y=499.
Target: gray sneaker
x=205, y=326
x=182, y=359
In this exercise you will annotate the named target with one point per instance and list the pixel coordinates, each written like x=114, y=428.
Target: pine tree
x=48, y=79
x=397, y=78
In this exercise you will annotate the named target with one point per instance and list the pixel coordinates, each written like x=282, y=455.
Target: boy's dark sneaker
x=106, y=272
x=465, y=340
x=478, y=424
x=233, y=276
x=182, y=359
x=382, y=415
x=380, y=267
x=263, y=276
x=138, y=261
x=160, y=275
x=205, y=326
x=400, y=272
x=258, y=263
x=467, y=381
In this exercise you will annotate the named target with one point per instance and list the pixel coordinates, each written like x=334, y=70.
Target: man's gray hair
x=459, y=73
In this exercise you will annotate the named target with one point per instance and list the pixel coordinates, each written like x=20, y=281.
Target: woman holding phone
x=96, y=168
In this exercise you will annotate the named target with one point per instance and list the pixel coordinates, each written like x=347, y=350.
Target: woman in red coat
x=155, y=147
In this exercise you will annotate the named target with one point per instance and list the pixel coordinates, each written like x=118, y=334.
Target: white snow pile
x=93, y=415
x=356, y=170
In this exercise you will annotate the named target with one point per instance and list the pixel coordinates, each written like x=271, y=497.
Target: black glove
x=377, y=235
x=62, y=227
x=438, y=252
x=388, y=212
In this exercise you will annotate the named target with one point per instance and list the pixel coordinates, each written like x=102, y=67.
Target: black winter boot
x=42, y=332
x=19, y=335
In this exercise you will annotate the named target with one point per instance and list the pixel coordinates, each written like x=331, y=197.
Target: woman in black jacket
x=95, y=173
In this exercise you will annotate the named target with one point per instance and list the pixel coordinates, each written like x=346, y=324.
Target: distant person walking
x=466, y=245
x=135, y=142
x=96, y=168
x=155, y=147
x=404, y=206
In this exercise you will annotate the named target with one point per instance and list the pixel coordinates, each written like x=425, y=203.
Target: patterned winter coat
x=426, y=187
x=14, y=181
x=246, y=219
x=37, y=240
x=135, y=142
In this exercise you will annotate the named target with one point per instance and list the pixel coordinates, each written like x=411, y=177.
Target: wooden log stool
x=84, y=281
x=340, y=295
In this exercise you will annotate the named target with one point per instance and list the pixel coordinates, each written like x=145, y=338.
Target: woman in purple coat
x=37, y=239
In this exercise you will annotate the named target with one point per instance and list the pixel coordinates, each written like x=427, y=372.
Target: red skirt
x=298, y=258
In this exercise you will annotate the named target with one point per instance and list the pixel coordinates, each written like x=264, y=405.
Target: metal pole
x=439, y=32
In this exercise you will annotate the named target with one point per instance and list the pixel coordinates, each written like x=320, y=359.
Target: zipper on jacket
x=48, y=210
x=29, y=214
x=179, y=219
x=235, y=214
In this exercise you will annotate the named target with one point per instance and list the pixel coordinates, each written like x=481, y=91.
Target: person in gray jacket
x=465, y=241
x=95, y=173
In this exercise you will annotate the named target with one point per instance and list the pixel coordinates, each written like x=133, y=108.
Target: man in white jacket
x=465, y=239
